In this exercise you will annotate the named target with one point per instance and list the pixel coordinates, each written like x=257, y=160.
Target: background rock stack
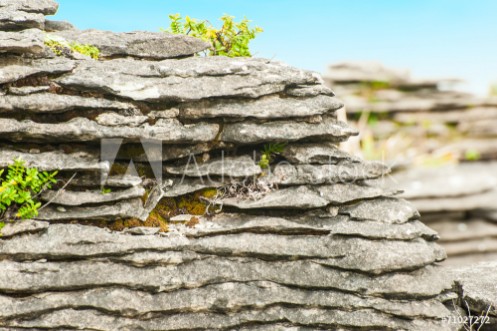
x=305, y=244
x=411, y=118
x=440, y=143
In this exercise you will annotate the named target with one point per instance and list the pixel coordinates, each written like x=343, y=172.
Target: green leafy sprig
x=231, y=40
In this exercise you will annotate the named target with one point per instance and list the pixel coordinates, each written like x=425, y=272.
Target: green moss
x=195, y=204
x=143, y=170
x=87, y=50
x=61, y=47
x=56, y=47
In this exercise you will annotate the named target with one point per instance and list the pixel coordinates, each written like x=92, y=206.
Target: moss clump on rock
x=196, y=203
x=60, y=47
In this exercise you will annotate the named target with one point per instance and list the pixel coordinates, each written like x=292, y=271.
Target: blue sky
x=432, y=38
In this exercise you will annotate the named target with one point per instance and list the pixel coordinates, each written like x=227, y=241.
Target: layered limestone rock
x=477, y=294
x=213, y=239
x=459, y=202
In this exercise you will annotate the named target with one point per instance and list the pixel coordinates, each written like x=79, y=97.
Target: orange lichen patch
x=192, y=222
x=196, y=203
x=153, y=221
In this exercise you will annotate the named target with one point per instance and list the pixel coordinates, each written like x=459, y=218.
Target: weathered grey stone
x=309, y=91
x=241, y=166
x=408, y=103
x=46, y=7
x=486, y=147
x=181, y=186
x=121, y=181
x=477, y=288
x=166, y=113
x=445, y=182
x=22, y=227
x=54, y=26
x=120, y=210
x=13, y=19
x=374, y=257
x=301, y=197
x=68, y=198
x=423, y=283
x=57, y=103
x=370, y=256
x=113, y=119
x=335, y=319
x=488, y=214
x=284, y=131
x=454, y=204
x=468, y=247
x=50, y=161
x=459, y=116
x=260, y=294
x=166, y=80
x=323, y=153
x=15, y=68
x=142, y=231
x=141, y=44
x=460, y=230
x=27, y=90
x=27, y=41
x=82, y=129
x=267, y=107
x=458, y=261
x=389, y=210
x=364, y=262
x=365, y=72
x=345, y=172
x=481, y=128
x=304, y=197
x=341, y=193
x=235, y=223
x=169, y=152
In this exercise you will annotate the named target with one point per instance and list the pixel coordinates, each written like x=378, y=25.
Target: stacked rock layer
x=459, y=202
x=303, y=244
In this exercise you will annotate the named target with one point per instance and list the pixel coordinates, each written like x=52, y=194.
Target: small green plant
x=472, y=155
x=18, y=190
x=268, y=153
x=87, y=50
x=55, y=46
x=106, y=190
x=61, y=47
x=231, y=40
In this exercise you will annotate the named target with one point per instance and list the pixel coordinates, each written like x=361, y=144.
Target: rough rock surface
x=301, y=241
x=158, y=46
x=28, y=41
x=459, y=201
x=478, y=293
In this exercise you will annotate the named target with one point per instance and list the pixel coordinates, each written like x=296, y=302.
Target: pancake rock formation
x=195, y=233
